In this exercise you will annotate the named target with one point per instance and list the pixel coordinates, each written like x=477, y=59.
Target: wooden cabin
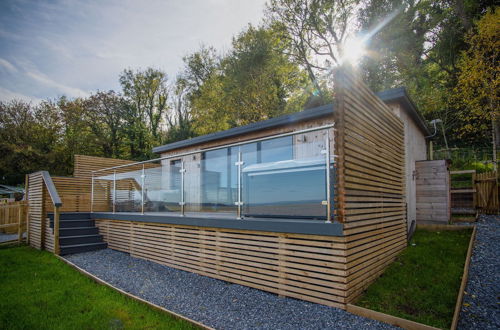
x=312, y=205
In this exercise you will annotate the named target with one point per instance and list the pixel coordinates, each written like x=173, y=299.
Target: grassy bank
x=38, y=291
x=423, y=283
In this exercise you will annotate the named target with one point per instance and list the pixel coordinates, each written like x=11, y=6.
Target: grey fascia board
x=307, y=227
x=284, y=120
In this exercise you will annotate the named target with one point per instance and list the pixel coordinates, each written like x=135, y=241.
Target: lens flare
x=354, y=49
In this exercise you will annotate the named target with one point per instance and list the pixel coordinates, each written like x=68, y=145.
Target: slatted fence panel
x=370, y=184
x=74, y=193
x=84, y=165
x=487, y=200
x=36, y=194
x=10, y=215
x=306, y=267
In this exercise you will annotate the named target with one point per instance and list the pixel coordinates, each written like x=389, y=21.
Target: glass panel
x=283, y=177
x=289, y=182
x=128, y=196
x=207, y=185
x=162, y=188
x=102, y=191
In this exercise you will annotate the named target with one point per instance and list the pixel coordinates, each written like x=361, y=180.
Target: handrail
x=312, y=129
x=56, y=200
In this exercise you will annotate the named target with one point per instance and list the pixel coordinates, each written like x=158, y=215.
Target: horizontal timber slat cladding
x=307, y=267
x=36, y=192
x=84, y=165
x=370, y=181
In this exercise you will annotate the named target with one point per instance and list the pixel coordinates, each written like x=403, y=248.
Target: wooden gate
x=487, y=192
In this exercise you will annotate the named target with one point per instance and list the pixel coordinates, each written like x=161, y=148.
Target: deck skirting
x=307, y=267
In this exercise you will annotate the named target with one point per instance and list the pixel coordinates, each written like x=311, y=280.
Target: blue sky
x=73, y=48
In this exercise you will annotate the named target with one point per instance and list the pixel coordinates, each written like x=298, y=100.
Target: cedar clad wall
x=370, y=182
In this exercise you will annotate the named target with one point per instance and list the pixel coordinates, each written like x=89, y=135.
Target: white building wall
x=415, y=150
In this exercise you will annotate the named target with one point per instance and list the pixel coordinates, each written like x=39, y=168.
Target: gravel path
x=8, y=237
x=481, y=305
x=216, y=303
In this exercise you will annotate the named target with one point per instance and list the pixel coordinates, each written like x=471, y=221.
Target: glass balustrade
x=283, y=177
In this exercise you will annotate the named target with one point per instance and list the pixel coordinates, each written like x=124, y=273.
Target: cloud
x=7, y=65
x=8, y=95
x=67, y=90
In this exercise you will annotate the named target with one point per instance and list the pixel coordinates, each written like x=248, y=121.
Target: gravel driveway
x=215, y=303
x=481, y=305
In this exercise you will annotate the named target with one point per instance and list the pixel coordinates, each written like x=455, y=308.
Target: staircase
x=77, y=233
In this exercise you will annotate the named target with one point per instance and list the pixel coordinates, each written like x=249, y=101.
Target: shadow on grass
x=40, y=291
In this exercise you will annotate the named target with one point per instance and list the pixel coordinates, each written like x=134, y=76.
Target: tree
x=148, y=92
x=317, y=31
x=104, y=112
x=30, y=140
x=253, y=82
x=477, y=91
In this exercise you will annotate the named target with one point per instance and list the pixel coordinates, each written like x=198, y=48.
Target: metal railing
x=56, y=201
x=105, y=174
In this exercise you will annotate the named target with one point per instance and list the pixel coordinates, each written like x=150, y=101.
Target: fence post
x=56, y=230
x=26, y=198
x=19, y=222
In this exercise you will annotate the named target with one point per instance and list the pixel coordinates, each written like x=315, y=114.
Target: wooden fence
x=486, y=186
x=479, y=193
x=13, y=217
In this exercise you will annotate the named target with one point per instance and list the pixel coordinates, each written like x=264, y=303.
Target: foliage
x=316, y=31
x=448, y=64
x=420, y=49
x=41, y=292
x=423, y=283
x=477, y=91
x=253, y=82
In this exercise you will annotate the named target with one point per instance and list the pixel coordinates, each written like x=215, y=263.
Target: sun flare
x=354, y=50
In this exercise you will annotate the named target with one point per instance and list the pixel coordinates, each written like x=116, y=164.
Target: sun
x=353, y=50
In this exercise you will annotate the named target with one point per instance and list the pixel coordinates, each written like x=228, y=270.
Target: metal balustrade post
x=56, y=230
x=239, y=203
x=328, y=173
x=182, y=203
x=92, y=195
x=143, y=180
x=114, y=191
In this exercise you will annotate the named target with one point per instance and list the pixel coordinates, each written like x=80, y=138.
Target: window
x=175, y=174
x=220, y=174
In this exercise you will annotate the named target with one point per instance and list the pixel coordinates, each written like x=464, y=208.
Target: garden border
x=407, y=324
x=127, y=294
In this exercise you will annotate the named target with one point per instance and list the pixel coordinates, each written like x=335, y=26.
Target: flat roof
x=395, y=94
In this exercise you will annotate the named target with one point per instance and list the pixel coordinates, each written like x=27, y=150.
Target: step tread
x=71, y=220
x=81, y=236
x=83, y=245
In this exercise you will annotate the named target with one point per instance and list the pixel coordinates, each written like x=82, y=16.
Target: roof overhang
x=400, y=95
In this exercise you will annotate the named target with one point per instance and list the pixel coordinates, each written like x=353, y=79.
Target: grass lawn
x=422, y=284
x=38, y=291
